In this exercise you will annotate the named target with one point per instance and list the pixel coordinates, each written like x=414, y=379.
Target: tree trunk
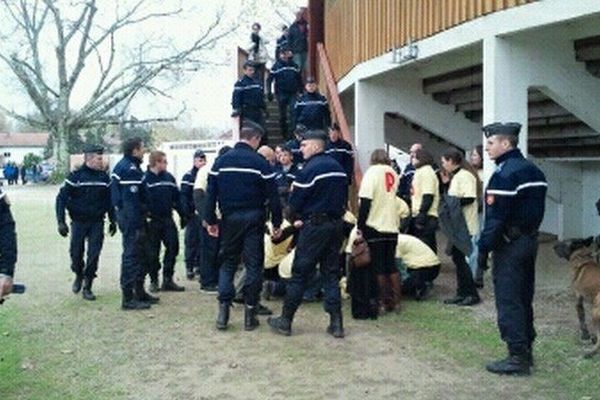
x=61, y=150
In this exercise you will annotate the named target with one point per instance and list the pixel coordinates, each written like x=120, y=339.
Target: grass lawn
x=54, y=345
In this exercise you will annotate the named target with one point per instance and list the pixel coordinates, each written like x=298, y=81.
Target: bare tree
x=82, y=42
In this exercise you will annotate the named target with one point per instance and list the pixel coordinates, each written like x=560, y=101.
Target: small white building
x=15, y=146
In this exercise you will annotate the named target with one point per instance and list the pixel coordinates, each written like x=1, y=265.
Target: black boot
x=223, y=317
x=336, y=325
x=517, y=364
x=282, y=325
x=77, y=284
x=189, y=273
x=141, y=295
x=153, y=288
x=169, y=286
x=131, y=303
x=87, y=290
x=478, y=278
x=250, y=320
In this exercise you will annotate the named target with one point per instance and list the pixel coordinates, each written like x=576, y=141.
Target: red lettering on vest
x=390, y=179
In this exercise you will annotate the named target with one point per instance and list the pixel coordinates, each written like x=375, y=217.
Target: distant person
x=285, y=73
x=258, y=52
x=23, y=171
x=312, y=108
x=86, y=196
x=408, y=174
x=192, y=230
x=294, y=145
x=128, y=199
x=298, y=39
x=285, y=174
x=282, y=41
x=476, y=161
x=422, y=266
x=269, y=155
x=248, y=99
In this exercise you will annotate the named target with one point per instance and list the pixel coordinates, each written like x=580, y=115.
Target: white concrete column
x=369, y=130
x=504, y=89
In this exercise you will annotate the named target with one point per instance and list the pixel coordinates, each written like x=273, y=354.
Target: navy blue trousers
x=162, y=231
x=514, y=286
x=317, y=244
x=242, y=233
x=192, y=243
x=209, y=265
x=93, y=234
x=133, y=237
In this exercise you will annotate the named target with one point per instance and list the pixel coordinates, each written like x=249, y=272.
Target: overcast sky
x=207, y=92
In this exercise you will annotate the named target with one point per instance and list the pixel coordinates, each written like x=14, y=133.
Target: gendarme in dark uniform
x=243, y=183
x=128, y=199
x=341, y=151
x=162, y=197
x=312, y=109
x=319, y=197
x=86, y=196
x=248, y=99
x=514, y=210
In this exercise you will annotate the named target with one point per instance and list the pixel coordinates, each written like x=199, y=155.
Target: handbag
x=360, y=254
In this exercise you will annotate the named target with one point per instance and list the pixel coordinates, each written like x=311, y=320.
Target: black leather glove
x=63, y=229
x=183, y=221
x=270, y=97
x=112, y=229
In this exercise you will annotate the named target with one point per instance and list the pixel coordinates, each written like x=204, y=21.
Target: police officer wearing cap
x=194, y=222
x=242, y=182
x=8, y=247
x=312, y=109
x=341, y=150
x=86, y=195
x=129, y=201
x=514, y=210
x=248, y=100
x=317, y=202
x=162, y=197
x=288, y=84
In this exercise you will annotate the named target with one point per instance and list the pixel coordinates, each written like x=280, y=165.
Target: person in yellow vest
x=379, y=224
x=463, y=185
x=422, y=266
x=425, y=199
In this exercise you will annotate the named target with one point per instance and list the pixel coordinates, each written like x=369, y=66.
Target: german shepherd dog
x=586, y=285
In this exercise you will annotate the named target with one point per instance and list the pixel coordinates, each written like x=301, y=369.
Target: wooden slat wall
x=358, y=30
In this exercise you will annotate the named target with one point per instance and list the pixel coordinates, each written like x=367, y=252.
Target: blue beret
x=498, y=128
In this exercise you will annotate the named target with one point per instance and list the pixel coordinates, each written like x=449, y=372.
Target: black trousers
x=133, y=238
x=192, y=243
x=383, y=250
x=514, y=287
x=362, y=287
x=317, y=244
x=465, y=285
x=426, y=233
x=286, y=102
x=419, y=278
x=93, y=234
x=162, y=231
x=209, y=265
x=242, y=233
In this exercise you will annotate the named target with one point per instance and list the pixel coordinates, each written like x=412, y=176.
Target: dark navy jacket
x=312, y=111
x=127, y=191
x=283, y=178
x=86, y=195
x=294, y=146
x=321, y=187
x=406, y=182
x=241, y=179
x=248, y=92
x=187, y=191
x=162, y=195
x=8, y=242
x=282, y=42
x=297, y=36
x=286, y=75
x=515, y=197
x=342, y=152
